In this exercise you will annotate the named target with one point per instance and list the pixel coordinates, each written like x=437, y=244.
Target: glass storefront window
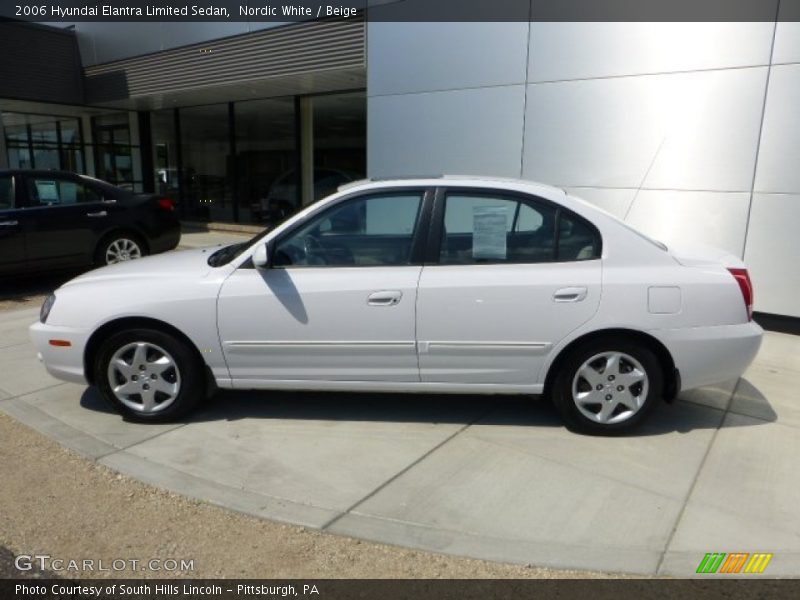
x=245, y=169
x=266, y=160
x=340, y=140
x=19, y=158
x=71, y=132
x=43, y=141
x=46, y=157
x=44, y=133
x=206, y=163
x=165, y=153
x=114, y=154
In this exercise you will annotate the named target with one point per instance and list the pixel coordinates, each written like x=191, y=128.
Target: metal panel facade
x=779, y=155
x=714, y=218
x=674, y=110
x=424, y=57
x=472, y=131
x=565, y=51
x=689, y=131
x=773, y=252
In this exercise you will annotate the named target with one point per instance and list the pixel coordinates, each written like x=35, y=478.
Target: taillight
x=166, y=203
x=743, y=279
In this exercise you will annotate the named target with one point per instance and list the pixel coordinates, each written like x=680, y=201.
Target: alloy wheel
x=144, y=377
x=122, y=249
x=610, y=387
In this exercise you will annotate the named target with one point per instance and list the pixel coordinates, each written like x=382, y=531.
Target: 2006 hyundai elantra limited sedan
x=459, y=285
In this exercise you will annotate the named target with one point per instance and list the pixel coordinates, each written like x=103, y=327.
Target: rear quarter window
x=577, y=239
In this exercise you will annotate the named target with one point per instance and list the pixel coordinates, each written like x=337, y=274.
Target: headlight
x=45, y=310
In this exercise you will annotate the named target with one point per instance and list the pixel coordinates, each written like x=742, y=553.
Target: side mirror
x=261, y=257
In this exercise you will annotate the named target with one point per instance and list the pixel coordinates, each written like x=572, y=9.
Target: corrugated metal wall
x=279, y=52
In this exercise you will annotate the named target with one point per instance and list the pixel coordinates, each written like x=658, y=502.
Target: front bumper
x=62, y=362
x=709, y=355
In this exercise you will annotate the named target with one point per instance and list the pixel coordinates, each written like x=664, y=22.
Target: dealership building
x=688, y=131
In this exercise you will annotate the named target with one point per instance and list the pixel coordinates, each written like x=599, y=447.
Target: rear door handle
x=385, y=298
x=570, y=294
x=9, y=223
x=99, y=213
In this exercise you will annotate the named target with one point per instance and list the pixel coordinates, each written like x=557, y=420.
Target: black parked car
x=55, y=219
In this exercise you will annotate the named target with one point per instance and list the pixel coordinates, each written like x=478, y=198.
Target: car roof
x=36, y=172
x=476, y=181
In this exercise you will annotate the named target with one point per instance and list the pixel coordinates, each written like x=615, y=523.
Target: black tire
x=120, y=237
x=188, y=371
x=575, y=418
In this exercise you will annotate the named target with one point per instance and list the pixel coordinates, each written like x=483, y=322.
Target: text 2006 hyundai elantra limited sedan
x=459, y=285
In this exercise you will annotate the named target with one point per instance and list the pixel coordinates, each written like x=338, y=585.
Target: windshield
x=226, y=254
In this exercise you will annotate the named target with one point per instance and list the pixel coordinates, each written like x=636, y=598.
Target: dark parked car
x=55, y=219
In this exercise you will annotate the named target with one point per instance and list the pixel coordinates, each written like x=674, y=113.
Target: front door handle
x=99, y=213
x=570, y=294
x=385, y=298
x=9, y=223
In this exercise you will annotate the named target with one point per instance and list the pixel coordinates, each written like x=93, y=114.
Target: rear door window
x=58, y=191
x=488, y=228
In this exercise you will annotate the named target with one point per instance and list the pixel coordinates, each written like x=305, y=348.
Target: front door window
x=372, y=231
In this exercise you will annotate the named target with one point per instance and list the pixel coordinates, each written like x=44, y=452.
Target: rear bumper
x=708, y=355
x=61, y=362
x=166, y=239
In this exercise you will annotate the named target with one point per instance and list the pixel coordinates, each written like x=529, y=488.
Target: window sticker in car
x=489, y=227
x=47, y=191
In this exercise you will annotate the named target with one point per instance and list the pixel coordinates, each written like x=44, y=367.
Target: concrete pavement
x=493, y=478
x=198, y=238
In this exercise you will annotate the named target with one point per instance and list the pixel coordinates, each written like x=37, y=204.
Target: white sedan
x=457, y=285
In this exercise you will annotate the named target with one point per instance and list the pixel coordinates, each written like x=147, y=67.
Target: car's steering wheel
x=314, y=248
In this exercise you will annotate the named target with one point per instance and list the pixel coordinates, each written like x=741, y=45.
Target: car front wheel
x=608, y=386
x=149, y=375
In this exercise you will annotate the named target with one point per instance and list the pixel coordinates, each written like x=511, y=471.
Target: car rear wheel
x=149, y=375
x=608, y=386
x=120, y=247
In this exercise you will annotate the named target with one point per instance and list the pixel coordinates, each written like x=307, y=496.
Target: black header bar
x=278, y=11
x=710, y=588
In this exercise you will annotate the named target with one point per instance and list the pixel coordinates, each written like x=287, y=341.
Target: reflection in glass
x=205, y=151
x=165, y=153
x=43, y=141
x=265, y=160
x=114, y=154
x=340, y=140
